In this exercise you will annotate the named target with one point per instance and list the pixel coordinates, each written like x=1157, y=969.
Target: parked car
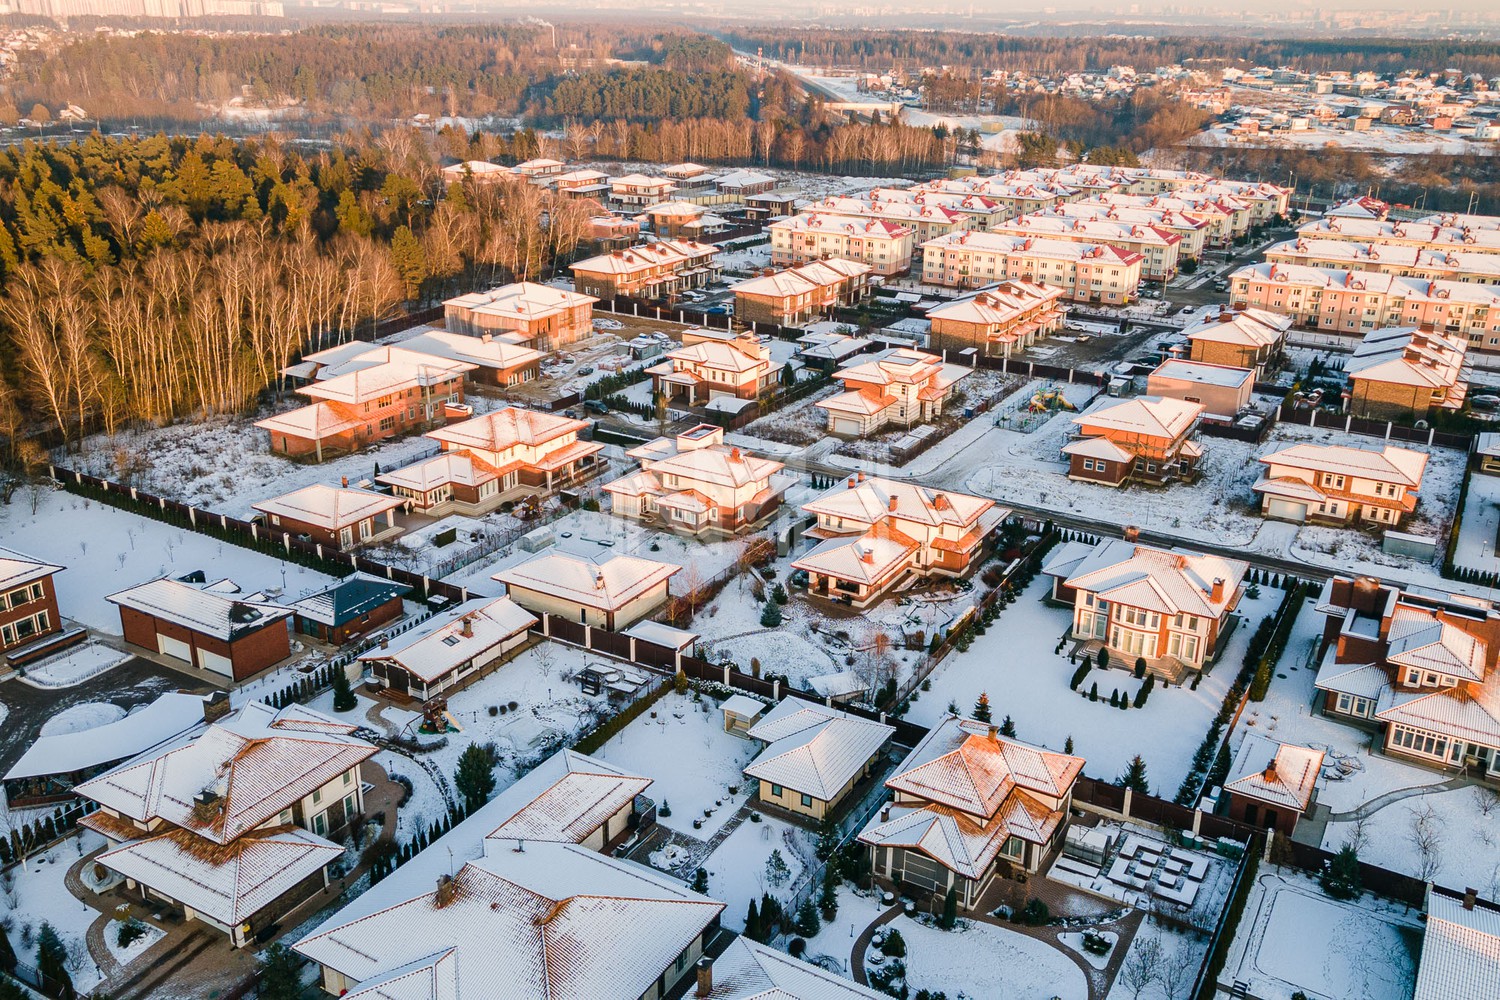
x=595, y=406
x=586, y=370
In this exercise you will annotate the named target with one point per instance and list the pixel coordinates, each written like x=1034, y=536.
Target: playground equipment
x=1049, y=401
x=437, y=719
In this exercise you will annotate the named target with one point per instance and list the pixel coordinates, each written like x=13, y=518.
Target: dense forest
x=879, y=50
x=147, y=279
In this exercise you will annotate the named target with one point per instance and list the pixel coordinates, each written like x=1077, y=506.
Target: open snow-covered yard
x=107, y=550
x=741, y=869
x=1015, y=663
x=1479, y=534
x=1293, y=938
x=979, y=959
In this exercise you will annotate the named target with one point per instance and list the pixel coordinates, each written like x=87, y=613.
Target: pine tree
x=1342, y=879
x=828, y=899
x=752, y=922
x=806, y=923
x=982, y=708
x=950, y=909
x=770, y=615
x=8, y=958
x=1094, y=691
x=1008, y=727
x=700, y=881
x=52, y=964
x=1114, y=698
x=343, y=696
x=474, y=778
x=280, y=976
x=1068, y=744
x=1134, y=777
x=409, y=260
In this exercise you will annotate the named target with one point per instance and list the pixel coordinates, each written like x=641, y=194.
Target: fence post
x=286, y=541
x=588, y=636
x=463, y=593
x=547, y=624
x=1312, y=419
x=632, y=649
x=1431, y=433
x=1388, y=426
x=1197, y=820
x=320, y=550
x=1126, y=807
x=776, y=689
x=132, y=494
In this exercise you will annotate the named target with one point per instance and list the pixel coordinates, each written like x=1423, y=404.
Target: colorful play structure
x=1050, y=401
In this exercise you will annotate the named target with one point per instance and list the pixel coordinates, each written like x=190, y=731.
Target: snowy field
x=107, y=550
x=74, y=666
x=681, y=745
x=1364, y=949
x=737, y=870
x=968, y=959
x=35, y=892
x=1015, y=664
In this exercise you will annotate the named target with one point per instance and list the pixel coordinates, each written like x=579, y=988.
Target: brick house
x=639, y=190
x=349, y=608
x=211, y=626
x=539, y=316
x=1084, y=272
x=1167, y=606
x=647, y=271
x=801, y=239
x=896, y=388
x=1407, y=373
x=798, y=294
x=448, y=649
x=1240, y=338
x=28, y=600
x=966, y=805
x=714, y=363
x=872, y=534
x=1270, y=784
x=234, y=824
x=450, y=481
x=1341, y=484
x=497, y=360
x=694, y=483
x=612, y=592
x=525, y=448
x=998, y=319
x=339, y=517
x=1145, y=438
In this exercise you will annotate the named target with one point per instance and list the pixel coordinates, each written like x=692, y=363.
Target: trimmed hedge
x=611, y=726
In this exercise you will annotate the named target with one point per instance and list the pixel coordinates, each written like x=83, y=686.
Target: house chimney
x=344, y=481
x=1471, y=896
x=598, y=579
x=216, y=706
x=995, y=733
x=885, y=813
x=891, y=505
x=385, y=642
x=851, y=482
x=1270, y=772
x=1217, y=593
x=1132, y=533
x=446, y=890
x=705, y=978
x=734, y=454
x=466, y=627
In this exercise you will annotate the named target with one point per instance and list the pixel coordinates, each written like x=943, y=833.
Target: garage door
x=213, y=661
x=843, y=425
x=1287, y=510
x=174, y=647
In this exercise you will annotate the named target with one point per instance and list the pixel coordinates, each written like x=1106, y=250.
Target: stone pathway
x=862, y=943
x=1379, y=802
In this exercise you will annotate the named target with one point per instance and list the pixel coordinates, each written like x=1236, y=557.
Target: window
x=320, y=824
x=775, y=791
x=806, y=801
x=317, y=796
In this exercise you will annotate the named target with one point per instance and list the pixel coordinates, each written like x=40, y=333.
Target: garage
x=1286, y=510
x=846, y=426
x=169, y=646
x=217, y=663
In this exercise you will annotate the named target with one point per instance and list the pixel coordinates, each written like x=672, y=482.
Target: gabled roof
x=1409, y=356
x=447, y=468
x=1098, y=447
x=1143, y=576
x=1032, y=246
x=1388, y=465
x=370, y=378
x=16, y=569
x=1003, y=302
x=1278, y=773
x=506, y=427
x=213, y=610
x=355, y=595
x=865, y=559
x=1150, y=416
x=315, y=422
x=872, y=499
x=959, y=764
x=257, y=762
x=1419, y=638
x=1470, y=711
x=552, y=922
x=1460, y=950
x=522, y=301
x=486, y=351
x=564, y=800
x=812, y=749
x=608, y=584
x=718, y=464
x=748, y=970
x=448, y=640
x=329, y=507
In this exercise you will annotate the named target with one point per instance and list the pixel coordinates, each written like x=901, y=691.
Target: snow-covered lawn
x=1294, y=938
x=802, y=422
x=971, y=959
x=107, y=550
x=125, y=954
x=1183, y=949
x=1015, y=664
x=831, y=946
x=74, y=666
x=1460, y=829
x=78, y=718
x=681, y=745
x=1479, y=533
x=737, y=871
x=34, y=892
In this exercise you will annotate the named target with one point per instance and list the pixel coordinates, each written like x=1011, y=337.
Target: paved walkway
x=1379, y=802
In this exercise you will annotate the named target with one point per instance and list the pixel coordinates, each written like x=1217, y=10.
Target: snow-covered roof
x=347, y=599
x=802, y=280
x=742, y=178
x=1470, y=711
x=1243, y=327
x=553, y=920
x=1460, y=950
x=838, y=685
x=449, y=468
x=506, y=427
x=1407, y=289
x=713, y=463
x=17, y=569
x=841, y=225
x=672, y=253
x=446, y=641
x=1149, y=416
x=228, y=883
x=1362, y=680
x=1389, y=465
x=256, y=762
x=169, y=716
x=315, y=421
x=383, y=371
x=1203, y=373
x=1101, y=230
x=1487, y=444
x=1175, y=581
x=1003, y=302
x=608, y=583
x=1033, y=246
x=1097, y=447
x=1279, y=773
x=961, y=764
x=329, y=507
x=725, y=355
x=743, y=706
x=485, y=351
x=748, y=970
x=864, y=559
x=206, y=610
x=662, y=634
x=522, y=301
x=872, y=499
x=563, y=800
x=812, y=749
x=1410, y=356
x=902, y=366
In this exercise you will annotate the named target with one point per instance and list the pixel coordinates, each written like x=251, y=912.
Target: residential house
x=1159, y=248
x=1487, y=452
x=449, y=481
x=28, y=600
x=609, y=233
x=1224, y=392
x=497, y=360
x=813, y=756
x=611, y=592
x=801, y=239
x=873, y=534
x=1339, y=483
x=743, y=183
x=1240, y=338
x=478, y=171
x=748, y=970
x=1271, y=784
x=1169, y=607
x=694, y=483
x=1407, y=373
x=771, y=205
x=1083, y=272
x=1149, y=439
x=539, y=316
x=1191, y=231
x=799, y=294
x=1460, y=947
x=1420, y=664
x=647, y=271
x=1008, y=316
x=827, y=352
x=386, y=393
x=966, y=805
x=591, y=184
x=211, y=626
x=712, y=364
x=679, y=220
x=900, y=387
x=234, y=823
x=337, y=516
x=449, y=648
x=349, y=608
x=530, y=451
x=639, y=190
x=540, y=170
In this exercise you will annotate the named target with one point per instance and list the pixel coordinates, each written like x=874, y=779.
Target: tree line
x=148, y=279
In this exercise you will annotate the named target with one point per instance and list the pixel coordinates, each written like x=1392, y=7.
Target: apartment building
x=1435, y=264
x=1084, y=272
x=1158, y=248
x=1444, y=234
x=885, y=246
x=1191, y=231
x=926, y=220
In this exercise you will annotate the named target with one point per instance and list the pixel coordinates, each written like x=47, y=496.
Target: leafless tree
x=1142, y=967
x=1426, y=837
x=1178, y=973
